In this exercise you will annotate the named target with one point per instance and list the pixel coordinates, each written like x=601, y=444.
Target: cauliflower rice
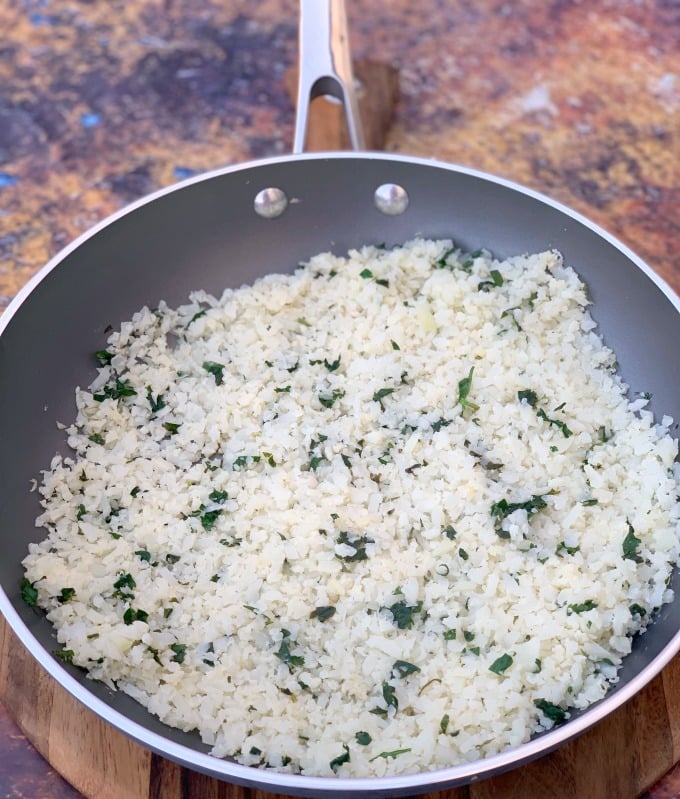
x=388, y=514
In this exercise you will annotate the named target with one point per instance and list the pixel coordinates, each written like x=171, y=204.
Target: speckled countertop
x=102, y=101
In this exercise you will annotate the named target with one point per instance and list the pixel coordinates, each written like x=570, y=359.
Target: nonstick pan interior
x=204, y=234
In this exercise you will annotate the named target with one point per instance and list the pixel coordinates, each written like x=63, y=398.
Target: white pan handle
x=326, y=67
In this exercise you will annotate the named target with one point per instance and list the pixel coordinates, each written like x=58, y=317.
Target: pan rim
x=335, y=786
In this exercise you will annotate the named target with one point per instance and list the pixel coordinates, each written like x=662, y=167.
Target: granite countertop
x=103, y=101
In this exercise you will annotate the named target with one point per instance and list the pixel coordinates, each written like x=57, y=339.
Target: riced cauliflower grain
x=388, y=514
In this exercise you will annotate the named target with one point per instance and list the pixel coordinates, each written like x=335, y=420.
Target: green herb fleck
x=131, y=615
x=284, y=654
x=282, y=390
x=180, y=651
x=143, y=554
x=358, y=544
x=464, y=387
x=156, y=404
x=66, y=655
x=171, y=427
x=463, y=554
x=583, y=607
x=104, y=357
x=29, y=593
x=218, y=496
x=216, y=370
x=81, y=512
x=394, y=344
x=96, y=438
x=501, y=664
x=402, y=614
x=553, y=712
x=496, y=280
x=381, y=393
x=323, y=613
x=66, y=594
x=363, y=738
x=332, y=366
x=120, y=388
x=450, y=635
x=566, y=432
x=402, y=668
x=328, y=400
x=563, y=547
x=450, y=532
x=340, y=759
x=393, y=754
x=125, y=581
x=637, y=610
x=631, y=545
x=528, y=396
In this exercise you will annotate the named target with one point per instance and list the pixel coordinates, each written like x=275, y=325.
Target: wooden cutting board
x=618, y=759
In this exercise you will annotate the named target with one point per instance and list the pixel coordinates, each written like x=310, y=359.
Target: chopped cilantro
x=402, y=668
x=402, y=613
x=563, y=547
x=120, y=388
x=381, y=393
x=496, y=280
x=156, y=404
x=125, y=581
x=583, y=607
x=323, y=613
x=566, y=432
x=528, y=396
x=96, y=438
x=284, y=654
x=501, y=664
x=143, y=554
x=131, y=615
x=631, y=545
x=171, y=427
x=340, y=759
x=464, y=387
x=104, y=357
x=64, y=654
x=363, y=738
x=393, y=754
x=450, y=532
x=553, y=712
x=218, y=496
x=358, y=544
x=179, y=652
x=66, y=594
x=216, y=370
x=29, y=593
x=332, y=365
x=328, y=400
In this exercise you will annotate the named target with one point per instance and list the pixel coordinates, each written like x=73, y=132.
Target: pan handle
x=325, y=67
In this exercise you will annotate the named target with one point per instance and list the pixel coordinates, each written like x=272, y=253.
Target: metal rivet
x=391, y=199
x=270, y=203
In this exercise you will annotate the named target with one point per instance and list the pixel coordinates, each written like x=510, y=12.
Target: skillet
x=205, y=233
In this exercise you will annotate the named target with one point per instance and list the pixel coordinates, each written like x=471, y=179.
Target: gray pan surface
x=204, y=234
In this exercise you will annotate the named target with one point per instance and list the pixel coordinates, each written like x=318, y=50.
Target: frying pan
x=211, y=232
